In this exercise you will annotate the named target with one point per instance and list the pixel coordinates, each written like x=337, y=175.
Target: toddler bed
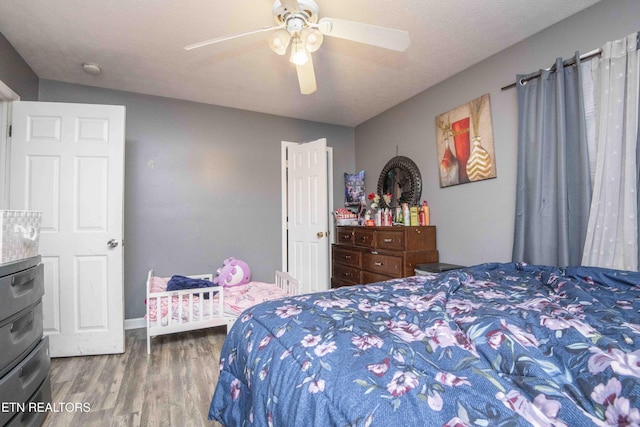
x=175, y=311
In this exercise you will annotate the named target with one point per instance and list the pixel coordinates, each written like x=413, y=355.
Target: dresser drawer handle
x=377, y=264
x=388, y=240
x=29, y=370
x=346, y=274
x=22, y=279
x=22, y=323
x=347, y=257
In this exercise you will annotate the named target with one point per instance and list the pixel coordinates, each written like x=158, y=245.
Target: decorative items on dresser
x=373, y=254
x=25, y=387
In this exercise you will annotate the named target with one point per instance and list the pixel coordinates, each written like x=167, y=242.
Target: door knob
x=112, y=243
x=321, y=234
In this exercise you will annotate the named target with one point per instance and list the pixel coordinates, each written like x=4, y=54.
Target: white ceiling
x=138, y=44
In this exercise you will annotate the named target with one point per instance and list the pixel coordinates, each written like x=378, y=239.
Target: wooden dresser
x=374, y=254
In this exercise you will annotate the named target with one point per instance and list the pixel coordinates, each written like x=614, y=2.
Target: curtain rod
x=570, y=61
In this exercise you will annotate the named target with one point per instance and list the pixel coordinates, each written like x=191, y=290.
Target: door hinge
x=10, y=129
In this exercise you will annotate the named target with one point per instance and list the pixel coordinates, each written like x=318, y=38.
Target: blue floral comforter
x=492, y=345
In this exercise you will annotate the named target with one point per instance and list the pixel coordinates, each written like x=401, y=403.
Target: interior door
x=7, y=96
x=308, y=215
x=67, y=160
x=4, y=160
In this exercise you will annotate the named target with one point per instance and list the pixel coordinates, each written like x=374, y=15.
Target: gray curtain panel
x=553, y=183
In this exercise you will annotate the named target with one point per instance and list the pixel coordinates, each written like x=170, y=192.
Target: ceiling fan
x=297, y=24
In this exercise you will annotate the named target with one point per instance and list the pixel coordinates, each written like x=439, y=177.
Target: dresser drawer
x=382, y=264
x=421, y=239
x=22, y=382
x=344, y=273
x=369, y=277
x=34, y=418
x=20, y=290
x=363, y=237
x=336, y=283
x=346, y=256
x=392, y=239
x=19, y=333
x=414, y=258
x=345, y=236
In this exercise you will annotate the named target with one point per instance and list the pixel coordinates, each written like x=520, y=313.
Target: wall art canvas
x=464, y=137
x=354, y=190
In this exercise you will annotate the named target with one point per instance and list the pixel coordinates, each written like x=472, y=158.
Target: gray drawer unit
x=33, y=418
x=21, y=289
x=24, y=359
x=18, y=335
x=24, y=379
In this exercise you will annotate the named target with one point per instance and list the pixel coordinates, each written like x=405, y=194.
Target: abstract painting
x=464, y=138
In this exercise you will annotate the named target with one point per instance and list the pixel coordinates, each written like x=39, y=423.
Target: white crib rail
x=286, y=282
x=199, y=313
x=191, y=313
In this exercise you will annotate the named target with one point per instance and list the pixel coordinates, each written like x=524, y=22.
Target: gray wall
x=475, y=221
x=202, y=183
x=16, y=73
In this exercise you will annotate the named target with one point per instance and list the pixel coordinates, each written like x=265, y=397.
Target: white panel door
x=67, y=160
x=308, y=215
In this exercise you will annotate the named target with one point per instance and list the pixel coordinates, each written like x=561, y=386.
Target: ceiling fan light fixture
x=313, y=39
x=279, y=41
x=299, y=54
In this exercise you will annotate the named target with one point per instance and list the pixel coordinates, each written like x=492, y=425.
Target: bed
x=491, y=345
x=173, y=311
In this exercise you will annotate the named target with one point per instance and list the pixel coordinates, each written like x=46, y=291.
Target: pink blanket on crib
x=236, y=298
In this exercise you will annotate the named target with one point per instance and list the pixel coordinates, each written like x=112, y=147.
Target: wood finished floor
x=171, y=387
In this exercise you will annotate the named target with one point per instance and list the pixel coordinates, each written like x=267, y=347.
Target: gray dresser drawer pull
x=31, y=368
x=388, y=240
x=23, y=279
x=377, y=264
x=22, y=323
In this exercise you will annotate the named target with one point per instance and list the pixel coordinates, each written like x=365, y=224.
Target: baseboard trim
x=138, y=323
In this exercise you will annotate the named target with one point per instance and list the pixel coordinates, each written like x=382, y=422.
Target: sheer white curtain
x=612, y=231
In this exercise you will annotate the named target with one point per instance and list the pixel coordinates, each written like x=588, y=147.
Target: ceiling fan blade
x=388, y=38
x=307, y=77
x=225, y=38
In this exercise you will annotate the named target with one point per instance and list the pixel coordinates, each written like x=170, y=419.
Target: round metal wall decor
x=401, y=178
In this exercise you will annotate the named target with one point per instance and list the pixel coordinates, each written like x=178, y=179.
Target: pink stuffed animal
x=233, y=273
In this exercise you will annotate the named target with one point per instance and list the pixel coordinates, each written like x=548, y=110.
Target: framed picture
x=464, y=137
x=354, y=190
